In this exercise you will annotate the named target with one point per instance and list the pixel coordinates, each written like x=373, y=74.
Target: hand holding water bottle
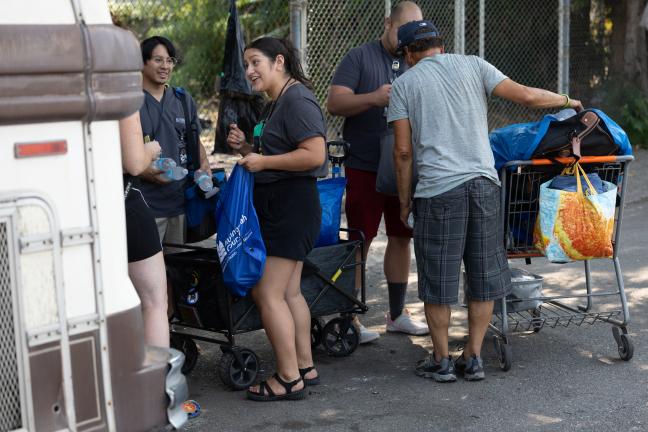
x=163, y=164
x=176, y=173
x=152, y=149
x=155, y=173
x=205, y=183
x=168, y=170
x=203, y=180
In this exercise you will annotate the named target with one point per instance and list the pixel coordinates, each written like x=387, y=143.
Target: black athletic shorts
x=141, y=231
x=290, y=215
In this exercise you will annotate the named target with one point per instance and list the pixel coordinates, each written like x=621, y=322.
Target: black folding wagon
x=205, y=310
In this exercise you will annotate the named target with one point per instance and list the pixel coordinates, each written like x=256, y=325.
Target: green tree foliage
x=197, y=29
x=599, y=60
x=624, y=102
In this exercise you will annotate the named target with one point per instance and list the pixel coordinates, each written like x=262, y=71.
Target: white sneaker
x=405, y=324
x=366, y=335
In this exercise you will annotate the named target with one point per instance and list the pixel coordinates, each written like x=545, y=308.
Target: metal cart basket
x=520, y=192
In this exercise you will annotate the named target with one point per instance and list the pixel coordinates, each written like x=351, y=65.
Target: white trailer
x=72, y=352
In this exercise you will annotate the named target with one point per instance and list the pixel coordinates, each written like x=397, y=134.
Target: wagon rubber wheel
x=504, y=353
x=340, y=337
x=238, y=375
x=189, y=349
x=316, y=331
x=624, y=344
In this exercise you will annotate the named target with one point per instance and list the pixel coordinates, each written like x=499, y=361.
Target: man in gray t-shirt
x=440, y=106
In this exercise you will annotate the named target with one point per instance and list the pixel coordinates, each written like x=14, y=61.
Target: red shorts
x=364, y=206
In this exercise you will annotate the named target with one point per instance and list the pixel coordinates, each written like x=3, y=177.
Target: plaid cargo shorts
x=462, y=223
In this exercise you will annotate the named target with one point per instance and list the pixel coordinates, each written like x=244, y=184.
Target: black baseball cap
x=407, y=33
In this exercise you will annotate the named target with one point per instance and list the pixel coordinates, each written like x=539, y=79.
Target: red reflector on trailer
x=48, y=148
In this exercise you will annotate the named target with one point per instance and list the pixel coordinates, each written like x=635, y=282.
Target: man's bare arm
x=534, y=97
x=403, y=165
x=342, y=101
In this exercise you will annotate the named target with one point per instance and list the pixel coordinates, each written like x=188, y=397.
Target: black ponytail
x=271, y=47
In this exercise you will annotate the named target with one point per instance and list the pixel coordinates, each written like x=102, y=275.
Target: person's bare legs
x=270, y=297
x=396, y=264
x=149, y=279
x=302, y=317
x=479, y=315
x=438, y=319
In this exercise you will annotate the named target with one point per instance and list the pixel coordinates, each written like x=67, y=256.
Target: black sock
x=397, y=291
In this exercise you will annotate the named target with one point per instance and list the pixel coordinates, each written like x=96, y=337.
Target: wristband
x=567, y=100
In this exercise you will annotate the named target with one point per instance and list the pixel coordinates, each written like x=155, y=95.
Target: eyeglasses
x=169, y=61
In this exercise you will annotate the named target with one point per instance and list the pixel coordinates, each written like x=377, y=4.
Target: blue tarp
x=519, y=141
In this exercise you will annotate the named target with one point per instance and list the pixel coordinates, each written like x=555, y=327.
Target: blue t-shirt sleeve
x=398, y=109
x=307, y=121
x=347, y=73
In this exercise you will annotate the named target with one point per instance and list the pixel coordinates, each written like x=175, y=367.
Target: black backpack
x=595, y=139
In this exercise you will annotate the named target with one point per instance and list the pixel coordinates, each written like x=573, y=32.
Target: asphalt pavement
x=562, y=379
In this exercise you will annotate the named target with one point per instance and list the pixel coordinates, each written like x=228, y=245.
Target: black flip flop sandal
x=266, y=394
x=309, y=381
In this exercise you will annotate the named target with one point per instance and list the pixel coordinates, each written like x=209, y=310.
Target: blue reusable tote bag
x=240, y=247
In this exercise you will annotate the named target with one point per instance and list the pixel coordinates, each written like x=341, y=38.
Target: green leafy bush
x=197, y=28
x=628, y=106
x=634, y=119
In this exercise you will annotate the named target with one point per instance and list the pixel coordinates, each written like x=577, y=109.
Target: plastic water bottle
x=163, y=164
x=175, y=173
x=212, y=192
x=410, y=220
x=203, y=180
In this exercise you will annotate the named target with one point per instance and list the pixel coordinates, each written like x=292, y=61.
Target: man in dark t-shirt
x=163, y=119
x=360, y=92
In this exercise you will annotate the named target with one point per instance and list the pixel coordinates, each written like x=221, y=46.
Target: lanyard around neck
x=274, y=103
x=393, y=70
x=259, y=128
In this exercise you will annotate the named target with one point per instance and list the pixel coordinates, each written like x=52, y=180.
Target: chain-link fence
x=334, y=27
x=523, y=38
x=197, y=29
x=520, y=37
x=593, y=54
